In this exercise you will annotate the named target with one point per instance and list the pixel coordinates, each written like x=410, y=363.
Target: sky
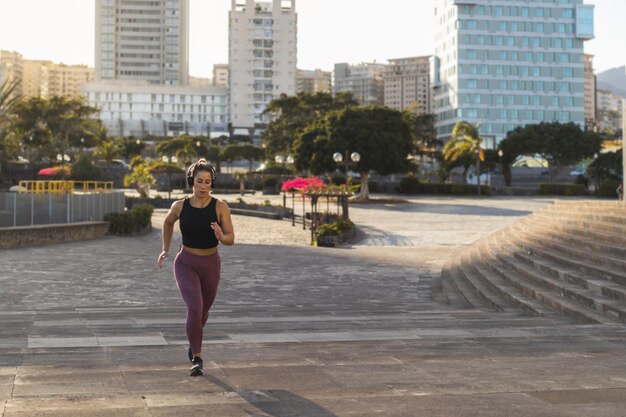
x=329, y=31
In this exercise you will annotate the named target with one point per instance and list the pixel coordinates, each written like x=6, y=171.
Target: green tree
x=379, y=134
x=559, y=144
x=251, y=153
x=141, y=178
x=465, y=141
x=292, y=114
x=606, y=166
x=107, y=150
x=129, y=147
x=184, y=147
x=56, y=125
x=166, y=168
x=8, y=99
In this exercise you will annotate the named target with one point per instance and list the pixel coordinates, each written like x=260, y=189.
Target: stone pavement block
x=57, y=342
x=93, y=356
x=77, y=406
x=131, y=340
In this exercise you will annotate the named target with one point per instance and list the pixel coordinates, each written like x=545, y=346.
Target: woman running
x=204, y=222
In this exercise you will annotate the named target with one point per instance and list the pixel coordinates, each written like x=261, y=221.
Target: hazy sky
x=329, y=31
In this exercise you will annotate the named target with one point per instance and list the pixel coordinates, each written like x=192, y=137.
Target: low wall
x=13, y=237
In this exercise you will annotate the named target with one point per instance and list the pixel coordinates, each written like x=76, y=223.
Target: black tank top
x=195, y=225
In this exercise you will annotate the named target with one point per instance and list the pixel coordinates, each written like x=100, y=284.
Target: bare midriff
x=200, y=252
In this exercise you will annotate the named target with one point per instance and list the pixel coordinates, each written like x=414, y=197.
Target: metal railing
x=63, y=186
x=21, y=209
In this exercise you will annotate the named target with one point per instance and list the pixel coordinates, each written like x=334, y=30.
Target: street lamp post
x=284, y=161
x=168, y=160
x=338, y=158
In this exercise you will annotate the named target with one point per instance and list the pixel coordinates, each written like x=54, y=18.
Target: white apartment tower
x=142, y=40
x=508, y=63
x=314, y=81
x=220, y=75
x=261, y=59
x=407, y=84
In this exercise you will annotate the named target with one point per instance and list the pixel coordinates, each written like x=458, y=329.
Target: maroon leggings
x=197, y=278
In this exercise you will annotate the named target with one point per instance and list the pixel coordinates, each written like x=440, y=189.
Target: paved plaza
x=94, y=328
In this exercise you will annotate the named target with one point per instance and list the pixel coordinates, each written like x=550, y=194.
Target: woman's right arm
x=168, y=230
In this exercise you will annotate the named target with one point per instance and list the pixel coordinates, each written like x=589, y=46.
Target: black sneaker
x=196, y=367
x=190, y=354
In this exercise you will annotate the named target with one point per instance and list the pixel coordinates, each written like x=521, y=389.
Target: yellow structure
x=64, y=186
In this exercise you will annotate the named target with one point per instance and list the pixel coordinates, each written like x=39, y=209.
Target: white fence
x=28, y=209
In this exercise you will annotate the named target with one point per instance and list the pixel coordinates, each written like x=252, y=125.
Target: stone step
x=597, y=271
x=590, y=241
x=544, y=240
x=471, y=298
x=483, y=261
x=449, y=292
x=476, y=283
x=611, y=205
x=534, y=270
x=583, y=222
x=548, y=298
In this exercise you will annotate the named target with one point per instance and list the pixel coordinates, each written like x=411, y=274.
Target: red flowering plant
x=303, y=185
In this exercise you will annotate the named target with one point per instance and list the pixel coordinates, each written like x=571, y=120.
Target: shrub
x=607, y=189
x=334, y=229
x=562, y=189
x=411, y=185
x=84, y=170
x=131, y=222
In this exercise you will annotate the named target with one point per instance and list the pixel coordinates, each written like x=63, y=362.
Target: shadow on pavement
x=458, y=209
x=276, y=403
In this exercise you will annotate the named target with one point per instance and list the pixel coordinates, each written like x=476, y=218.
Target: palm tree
x=107, y=150
x=7, y=99
x=465, y=141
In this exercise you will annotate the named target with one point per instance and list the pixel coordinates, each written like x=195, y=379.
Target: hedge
x=334, y=229
x=411, y=185
x=608, y=189
x=562, y=189
x=131, y=222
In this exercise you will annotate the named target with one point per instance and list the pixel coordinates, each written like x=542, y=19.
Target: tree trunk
x=478, y=172
x=506, y=171
x=364, y=194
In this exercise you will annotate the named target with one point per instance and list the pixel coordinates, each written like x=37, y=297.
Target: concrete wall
x=13, y=237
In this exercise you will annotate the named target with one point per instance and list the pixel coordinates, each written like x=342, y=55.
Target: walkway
x=95, y=329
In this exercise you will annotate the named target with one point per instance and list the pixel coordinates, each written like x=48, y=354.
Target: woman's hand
x=219, y=234
x=162, y=257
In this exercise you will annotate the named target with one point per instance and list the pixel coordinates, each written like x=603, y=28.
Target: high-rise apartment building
x=314, y=81
x=407, y=84
x=262, y=58
x=142, y=40
x=506, y=63
x=610, y=110
x=590, y=92
x=12, y=68
x=220, y=75
x=46, y=79
x=364, y=81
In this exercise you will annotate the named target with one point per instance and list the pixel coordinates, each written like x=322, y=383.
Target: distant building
x=314, y=81
x=507, y=63
x=609, y=110
x=46, y=79
x=162, y=110
x=262, y=58
x=590, y=93
x=364, y=81
x=220, y=75
x=142, y=40
x=200, y=82
x=407, y=84
x=12, y=68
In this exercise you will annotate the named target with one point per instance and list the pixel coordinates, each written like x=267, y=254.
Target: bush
x=411, y=185
x=334, y=229
x=131, y=222
x=562, y=189
x=84, y=170
x=607, y=189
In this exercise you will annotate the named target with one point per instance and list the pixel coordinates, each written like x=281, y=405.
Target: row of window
x=520, y=100
x=514, y=114
x=522, y=85
x=521, y=41
x=523, y=11
x=178, y=108
x=527, y=56
x=172, y=117
x=520, y=71
x=159, y=98
x=504, y=26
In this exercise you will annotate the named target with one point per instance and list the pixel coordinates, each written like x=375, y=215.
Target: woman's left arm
x=224, y=231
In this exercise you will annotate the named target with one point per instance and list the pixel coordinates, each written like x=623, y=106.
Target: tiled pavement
x=95, y=329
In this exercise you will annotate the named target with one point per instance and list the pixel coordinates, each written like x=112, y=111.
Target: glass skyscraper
x=505, y=63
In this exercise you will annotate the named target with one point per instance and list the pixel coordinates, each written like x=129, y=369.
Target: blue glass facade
x=506, y=63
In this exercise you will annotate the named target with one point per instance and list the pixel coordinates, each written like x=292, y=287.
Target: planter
x=331, y=241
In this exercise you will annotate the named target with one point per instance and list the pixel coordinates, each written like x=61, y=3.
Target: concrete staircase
x=568, y=259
